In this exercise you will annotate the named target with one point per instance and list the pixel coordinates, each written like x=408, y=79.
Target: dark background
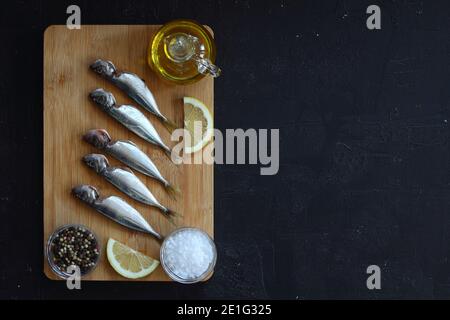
x=364, y=175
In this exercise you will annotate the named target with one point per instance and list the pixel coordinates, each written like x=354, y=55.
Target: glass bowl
x=48, y=251
x=170, y=71
x=204, y=276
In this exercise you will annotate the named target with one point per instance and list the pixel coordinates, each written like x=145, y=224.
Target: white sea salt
x=188, y=253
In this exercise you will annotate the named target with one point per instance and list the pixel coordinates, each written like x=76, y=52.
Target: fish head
x=104, y=68
x=99, y=138
x=86, y=193
x=98, y=162
x=103, y=98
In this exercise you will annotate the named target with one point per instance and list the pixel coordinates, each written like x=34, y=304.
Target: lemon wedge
x=128, y=262
x=198, y=121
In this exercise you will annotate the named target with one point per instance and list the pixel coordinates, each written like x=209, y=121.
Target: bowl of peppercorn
x=72, y=245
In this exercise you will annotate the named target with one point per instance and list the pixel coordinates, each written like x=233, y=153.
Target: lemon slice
x=196, y=114
x=128, y=262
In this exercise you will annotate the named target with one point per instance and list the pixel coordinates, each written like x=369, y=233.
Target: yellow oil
x=161, y=62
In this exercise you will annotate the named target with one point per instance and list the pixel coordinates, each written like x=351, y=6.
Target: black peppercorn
x=74, y=245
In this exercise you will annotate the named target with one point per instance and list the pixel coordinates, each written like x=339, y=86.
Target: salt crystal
x=188, y=253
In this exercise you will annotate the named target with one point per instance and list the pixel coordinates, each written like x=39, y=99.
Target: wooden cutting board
x=68, y=114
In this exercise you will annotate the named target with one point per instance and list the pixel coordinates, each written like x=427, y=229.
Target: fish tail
x=177, y=160
x=157, y=236
x=172, y=191
x=168, y=153
x=171, y=215
x=169, y=125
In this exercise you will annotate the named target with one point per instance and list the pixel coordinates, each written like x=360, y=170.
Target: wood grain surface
x=68, y=114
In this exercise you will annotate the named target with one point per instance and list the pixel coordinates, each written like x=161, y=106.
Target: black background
x=364, y=157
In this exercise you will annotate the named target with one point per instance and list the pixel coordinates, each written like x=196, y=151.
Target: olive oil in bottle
x=183, y=52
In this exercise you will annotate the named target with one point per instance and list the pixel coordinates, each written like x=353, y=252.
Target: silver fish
x=114, y=208
x=133, y=86
x=125, y=180
x=128, y=153
x=129, y=116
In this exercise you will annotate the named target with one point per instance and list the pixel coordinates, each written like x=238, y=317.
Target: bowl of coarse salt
x=188, y=255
